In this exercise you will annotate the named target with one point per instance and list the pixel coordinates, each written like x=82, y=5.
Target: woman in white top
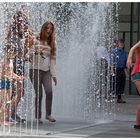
x=43, y=58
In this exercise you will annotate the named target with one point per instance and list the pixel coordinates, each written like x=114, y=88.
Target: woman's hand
x=38, y=50
x=20, y=78
x=129, y=62
x=55, y=80
x=29, y=41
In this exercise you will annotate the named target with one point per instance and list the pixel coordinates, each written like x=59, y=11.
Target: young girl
x=43, y=55
x=18, y=32
x=6, y=77
x=135, y=74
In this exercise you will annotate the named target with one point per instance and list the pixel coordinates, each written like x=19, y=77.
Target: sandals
x=39, y=121
x=50, y=119
x=137, y=126
x=121, y=101
x=17, y=118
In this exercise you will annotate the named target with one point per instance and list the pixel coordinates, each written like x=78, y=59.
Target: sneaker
x=12, y=121
x=137, y=126
x=17, y=118
x=121, y=101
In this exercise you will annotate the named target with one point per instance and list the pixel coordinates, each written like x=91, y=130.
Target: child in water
x=6, y=77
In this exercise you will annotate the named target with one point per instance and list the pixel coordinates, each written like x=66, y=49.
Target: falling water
x=81, y=28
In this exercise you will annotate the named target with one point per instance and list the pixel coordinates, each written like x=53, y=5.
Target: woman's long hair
x=51, y=39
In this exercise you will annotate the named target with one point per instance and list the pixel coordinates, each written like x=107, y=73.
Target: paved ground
x=121, y=127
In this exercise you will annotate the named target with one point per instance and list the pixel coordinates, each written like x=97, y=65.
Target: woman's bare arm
x=130, y=55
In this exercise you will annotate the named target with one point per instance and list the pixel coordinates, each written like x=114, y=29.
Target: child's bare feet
x=5, y=123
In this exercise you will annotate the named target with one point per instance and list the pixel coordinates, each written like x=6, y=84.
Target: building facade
x=129, y=30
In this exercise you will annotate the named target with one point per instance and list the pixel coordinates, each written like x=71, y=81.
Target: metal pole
x=131, y=38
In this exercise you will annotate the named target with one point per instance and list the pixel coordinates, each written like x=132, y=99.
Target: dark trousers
x=41, y=78
x=120, y=81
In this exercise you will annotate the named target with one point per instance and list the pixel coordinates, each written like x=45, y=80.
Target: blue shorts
x=135, y=77
x=5, y=84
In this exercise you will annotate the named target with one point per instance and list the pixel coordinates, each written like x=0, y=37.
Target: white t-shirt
x=44, y=61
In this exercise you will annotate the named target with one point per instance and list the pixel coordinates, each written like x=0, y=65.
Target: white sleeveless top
x=44, y=61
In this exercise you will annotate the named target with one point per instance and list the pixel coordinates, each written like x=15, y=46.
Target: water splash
x=81, y=28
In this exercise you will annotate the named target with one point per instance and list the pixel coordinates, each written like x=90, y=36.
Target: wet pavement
x=121, y=127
